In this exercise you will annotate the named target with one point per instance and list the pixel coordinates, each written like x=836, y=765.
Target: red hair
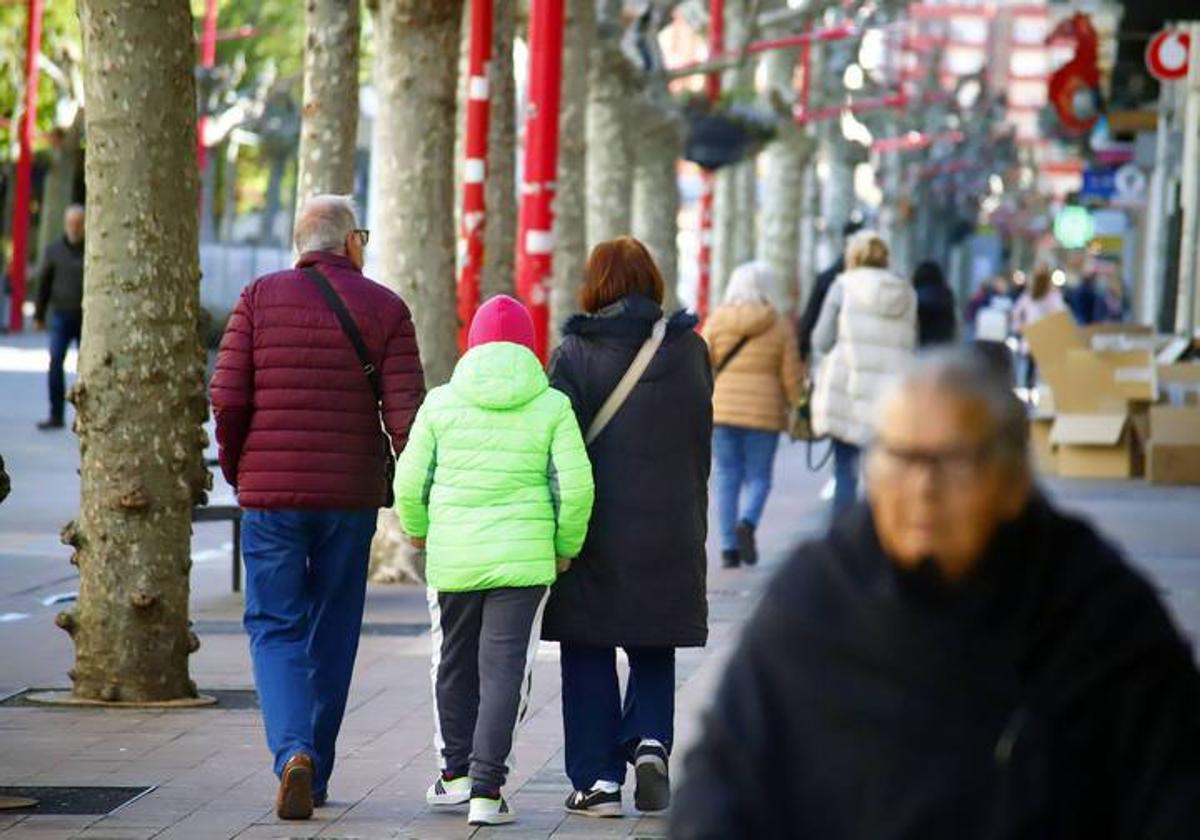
x=616, y=269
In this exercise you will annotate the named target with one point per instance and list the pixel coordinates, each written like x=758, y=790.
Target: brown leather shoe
x=295, y=799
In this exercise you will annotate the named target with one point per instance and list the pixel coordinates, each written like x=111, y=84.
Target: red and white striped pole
x=712, y=87
x=474, y=167
x=21, y=199
x=535, y=230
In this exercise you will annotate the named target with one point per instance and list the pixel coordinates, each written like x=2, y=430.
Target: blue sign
x=1099, y=183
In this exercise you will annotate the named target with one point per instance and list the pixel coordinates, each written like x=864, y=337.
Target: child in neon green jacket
x=496, y=484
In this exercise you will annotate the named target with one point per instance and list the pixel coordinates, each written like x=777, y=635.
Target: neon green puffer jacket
x=495, y=476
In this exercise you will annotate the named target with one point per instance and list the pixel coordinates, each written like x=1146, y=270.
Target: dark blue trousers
x=601, y=732
x=65, y=327
x=306, y=578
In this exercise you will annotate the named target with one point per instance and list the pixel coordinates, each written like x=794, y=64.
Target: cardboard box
x=1094, y=445
x=1041, y=449
x=1116, y=328
x=1179, y=384
x=1127, y=375
x=1052, y=337
x=1174, y=453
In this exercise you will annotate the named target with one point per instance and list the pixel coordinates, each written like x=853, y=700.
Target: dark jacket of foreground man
x=1047, y=697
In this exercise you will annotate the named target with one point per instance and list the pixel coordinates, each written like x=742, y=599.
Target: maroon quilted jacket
x=296, y=421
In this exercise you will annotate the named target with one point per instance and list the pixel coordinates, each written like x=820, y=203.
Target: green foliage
x=60, y=38
x=278, y=37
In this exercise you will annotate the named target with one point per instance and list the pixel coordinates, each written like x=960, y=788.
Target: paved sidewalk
x=211, y=771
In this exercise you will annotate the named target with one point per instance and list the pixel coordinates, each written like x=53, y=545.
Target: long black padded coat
x=640, y=579
x=1048, y=697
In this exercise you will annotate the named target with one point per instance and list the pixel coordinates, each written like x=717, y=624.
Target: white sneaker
x=452, y=792
x=485, y=811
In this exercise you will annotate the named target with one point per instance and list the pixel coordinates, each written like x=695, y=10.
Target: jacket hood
x=878, y=291
x=745, y=319
x=631, y=317
x=499, y=375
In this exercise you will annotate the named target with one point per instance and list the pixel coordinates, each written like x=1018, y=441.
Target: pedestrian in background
x=937, y=318
x=496, y=486
x=821, y=286
x=956, y=659
x=639, y=582
x=757, y=375
x=866, y=335
x=1041, y=299
x=1089, y=300
x=313, y=359
x=59, y=307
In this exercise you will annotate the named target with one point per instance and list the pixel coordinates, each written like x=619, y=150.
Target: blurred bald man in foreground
x=957, y=659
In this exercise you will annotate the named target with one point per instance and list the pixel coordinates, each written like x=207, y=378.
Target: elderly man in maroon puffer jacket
x=301, y=440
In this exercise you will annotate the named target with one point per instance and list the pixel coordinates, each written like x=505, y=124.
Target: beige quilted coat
x=762, y=382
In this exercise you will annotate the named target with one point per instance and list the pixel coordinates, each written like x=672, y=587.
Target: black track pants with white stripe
x=483, y=650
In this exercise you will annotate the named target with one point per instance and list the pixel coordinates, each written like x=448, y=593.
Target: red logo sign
x=1167, y=55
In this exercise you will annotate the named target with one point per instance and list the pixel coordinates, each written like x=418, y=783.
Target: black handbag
x=369, y=370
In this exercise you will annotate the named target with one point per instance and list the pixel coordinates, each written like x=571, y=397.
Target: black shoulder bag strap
x=737, y=348
x=364, y=357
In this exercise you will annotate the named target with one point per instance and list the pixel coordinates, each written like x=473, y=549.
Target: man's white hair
x=964, y=373
x=324, y=223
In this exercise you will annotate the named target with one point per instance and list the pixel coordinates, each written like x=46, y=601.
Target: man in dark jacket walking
x=60, y=295
x=298, y=425
x=956, y=659
x=820, y=289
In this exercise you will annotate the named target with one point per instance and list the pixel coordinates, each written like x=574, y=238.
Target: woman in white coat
x=867, y=333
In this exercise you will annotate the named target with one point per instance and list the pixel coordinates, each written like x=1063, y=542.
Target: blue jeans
x=845, y=475
x=745, y=458
x=306, y=579
x=601, y=732
x=65, y=327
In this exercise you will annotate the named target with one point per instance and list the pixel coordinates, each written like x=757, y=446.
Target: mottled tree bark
x=417, y=44
x=59, y=188
x=140, y=396
x=500, y=192
x=723, y=231
x=786, y=160
x=329, y=119
x=745, y=218
x=570, y=200
x=729, y=200
x=609, y=131
x=656, y=190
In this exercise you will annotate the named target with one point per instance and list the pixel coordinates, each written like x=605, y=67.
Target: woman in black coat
x=639, y=582
x=937, y=322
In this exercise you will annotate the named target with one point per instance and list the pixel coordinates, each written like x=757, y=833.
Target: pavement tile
x=212, y=768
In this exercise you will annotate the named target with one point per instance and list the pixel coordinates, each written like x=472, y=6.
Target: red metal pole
x=208, y=58
x=474, y=167
x=535, y=229
x=20, y=231
x=712, y=87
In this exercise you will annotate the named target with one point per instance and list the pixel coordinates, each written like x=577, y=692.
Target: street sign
x=1098, y=182
x=1131, y=184
x=1167, y=55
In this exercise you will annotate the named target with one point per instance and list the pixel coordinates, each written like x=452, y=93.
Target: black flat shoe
x=747, y=547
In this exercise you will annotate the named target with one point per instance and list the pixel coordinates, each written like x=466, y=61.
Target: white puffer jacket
x=867, y=332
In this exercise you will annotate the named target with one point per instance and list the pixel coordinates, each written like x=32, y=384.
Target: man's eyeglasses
x=364, y=236
x=954, y=466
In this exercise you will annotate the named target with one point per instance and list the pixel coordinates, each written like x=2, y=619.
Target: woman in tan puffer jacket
x=757, y=369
